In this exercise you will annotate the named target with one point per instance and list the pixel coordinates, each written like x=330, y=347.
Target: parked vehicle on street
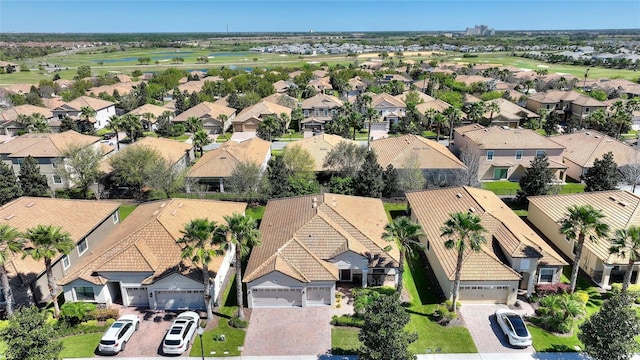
x=182, y=330
x=513, y=327
x=116, y=337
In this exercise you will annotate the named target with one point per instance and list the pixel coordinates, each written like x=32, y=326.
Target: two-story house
x=508, y=114
x=505, y=153
x=390, y=110
x=318, y=110
x=103, y=109
x=87, y=221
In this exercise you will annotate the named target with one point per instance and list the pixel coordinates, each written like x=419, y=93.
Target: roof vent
x=314, y=203
x=623, y=204
x=174, y=213
x=10, y=216
x=162, y=205
x=472, y=210
x=155, y=213
x=30, y=204
x=180, y=205
x=612, y=198
x=587, y=133
x=459, y=195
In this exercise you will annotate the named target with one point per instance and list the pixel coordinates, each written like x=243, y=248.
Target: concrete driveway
x=291, y=331
x=486, y=332
x=243, y=135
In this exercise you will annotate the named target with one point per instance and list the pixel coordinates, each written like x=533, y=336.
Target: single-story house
x=149, y=114
x=249, y=119
x=311, y=242
x=513, y=259
x=139, y=263
x=620, y=209
x=178, y=154
x=319, y=146
x=215, y=118
x=87, y=221
x=9, y=124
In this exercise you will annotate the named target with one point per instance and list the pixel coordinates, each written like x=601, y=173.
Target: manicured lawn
x=125, y=210
x=223, y=137
x=511, y=187
x=80, y=346
x=344, y=340
x=255, y=212
x=395, y=210
x=431, y=335
x=181, y=137
x=234, y=337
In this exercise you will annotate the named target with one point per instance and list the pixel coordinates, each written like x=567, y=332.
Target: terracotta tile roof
x=123, y=88
x=149, y=108
x=53, y=103
x=319, y=146
x=276, y=98
x=95, y=104
x=205, y=109
x=48, y=145
x=321, y=101
x=471, y=79
x=300, y=234
x=583, y=147
x=146, y=241
x=221, y=162
x=19, y=88
x=192, y=86
x=77, y=217
x=263, y=108
x=27, y=110
x=588, y=101
x=495, y=137
x=423, y=97
x=621, y=210
x=281, y=86
x=555, y=96
x=509, y=110
x=399, y=150
x=511, y=234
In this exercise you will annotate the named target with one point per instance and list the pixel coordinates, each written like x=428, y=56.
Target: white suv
x=180, y=333
x=116, y=337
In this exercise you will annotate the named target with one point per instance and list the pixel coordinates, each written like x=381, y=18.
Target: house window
x=490, y=155
x=56, y=179
x=65, y=262
x=586, y=110
x=82, y=246
x=85, y=293
x=500, y=173
x=306, y=113
x=547, y=106
x=345, y=274
x=518, y=154
x=316, y=112
x=115, y=217
x=54, y=163
x=326, y=112
x=20, y=161
x=546, y=275
x=60, y=116
x=540, y=152
x=575, y=247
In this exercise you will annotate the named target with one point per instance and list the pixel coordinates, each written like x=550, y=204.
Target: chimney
x=314, y=204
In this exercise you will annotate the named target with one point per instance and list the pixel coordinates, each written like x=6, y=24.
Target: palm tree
x=270, y=124
x=242, y=232
x=580, y=222
x=454, y=115
x=200, y=140
x=148, y=116
x=223, y=119
x=132, y=124
x=492, y=107
x=406, y=234
x=476, y=110
x=48, y=242
x=202, y=239
x=39, y=123
x=193, y=124
x=439, y=119
x=115, y=123
x=9, y=244
x=626, y=243
x=462, y=230
x=86, y=113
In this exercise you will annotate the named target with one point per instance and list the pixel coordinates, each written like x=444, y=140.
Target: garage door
x=180, y=300
x=137, y=296
x=318, y=295
x=488, y=294
x=276, y=297
x=380, y=126
x=250, y=127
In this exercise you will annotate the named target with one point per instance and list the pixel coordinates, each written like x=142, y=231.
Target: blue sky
x=305, y=15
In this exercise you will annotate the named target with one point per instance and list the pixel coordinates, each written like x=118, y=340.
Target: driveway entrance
x=486, y=332
x=293, y=331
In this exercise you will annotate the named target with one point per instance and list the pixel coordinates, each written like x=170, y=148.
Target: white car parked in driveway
x=180, y=333
x=115, y=339
x=513, y=327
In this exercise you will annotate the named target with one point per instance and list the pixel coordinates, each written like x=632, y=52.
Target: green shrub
x=633, y=289
x=443, y=314
x=238, y=323
x=74, y=313
x=3, y=324
x=109, y=322
x=103, y=314
x=346, y=320
x=583, y=296
x=558, y=312
x=449, y=304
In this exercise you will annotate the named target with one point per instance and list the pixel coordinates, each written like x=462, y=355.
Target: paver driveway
x=486, y=332
x=295, y=331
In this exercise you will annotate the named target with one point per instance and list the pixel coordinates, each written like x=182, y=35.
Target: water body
x=227, y=54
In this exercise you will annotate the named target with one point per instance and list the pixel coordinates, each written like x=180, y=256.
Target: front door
x=345, y=275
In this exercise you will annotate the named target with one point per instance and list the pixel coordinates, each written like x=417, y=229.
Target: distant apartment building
x=479, y=30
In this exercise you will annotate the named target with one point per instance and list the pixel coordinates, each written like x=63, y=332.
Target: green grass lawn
x=511, y=187
x=255, y=212
x=81, y=346
x=183, y=138
x=394, y=209
x=431, y=335
x=125, y=210
x=234, y=337
x=344, y=340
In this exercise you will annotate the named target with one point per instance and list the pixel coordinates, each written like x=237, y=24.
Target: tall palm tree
x=439, y=119
x=202, y=240
x=223, y=120
x=148, y=116
x=454, y=115
x=9, y=244
x=200, y=140
x=132, y=124
x=115, y=123
x=86, y=113
x=242, y=232
x=39, y=123
x=462, y=230
x=270, y=124
x=48, y=242
x=580, y=222
x=406, y=234
x=626, y=243
x=193, y=124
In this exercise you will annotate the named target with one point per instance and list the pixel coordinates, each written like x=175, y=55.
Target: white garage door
x=489, y=294
x=276, y=297
x=137, y=296
x=318, y=295
x=180, y=300
x=379, y=126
